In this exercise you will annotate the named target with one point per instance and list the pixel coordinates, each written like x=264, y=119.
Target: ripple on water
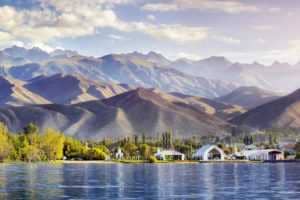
x=198, y=181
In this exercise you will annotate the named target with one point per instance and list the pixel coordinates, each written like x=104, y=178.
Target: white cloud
x=261, y=41
x=63, y=18
x=189, y=56
x=42, y=46
x=274, y=10
x=231, y=6
x=178, y=33
x=289, y=54
x=116, y=37
x=227, y=40
x=162, y=7
x=263, y=27
x=5, y=37
x=151, y=17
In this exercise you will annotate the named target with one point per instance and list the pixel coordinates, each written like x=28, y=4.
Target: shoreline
x=147, y=162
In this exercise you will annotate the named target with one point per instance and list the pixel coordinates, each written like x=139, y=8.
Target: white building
x=169, y=155
x=119, y=155
x=209, y=152
x=263, y=154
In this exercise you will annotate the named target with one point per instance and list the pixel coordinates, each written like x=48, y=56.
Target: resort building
x=263, y=154
x=209, y=152
x=169, y=155
x=119, y=154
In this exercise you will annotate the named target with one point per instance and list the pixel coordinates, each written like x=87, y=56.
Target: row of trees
x=31, y=145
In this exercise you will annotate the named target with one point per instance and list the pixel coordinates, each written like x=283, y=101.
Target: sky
x=241, y=30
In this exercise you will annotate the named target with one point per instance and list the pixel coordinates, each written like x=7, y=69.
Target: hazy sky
x=245, y=30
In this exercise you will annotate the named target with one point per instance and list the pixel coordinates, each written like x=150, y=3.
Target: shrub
x=152, y=159
x=95, y=154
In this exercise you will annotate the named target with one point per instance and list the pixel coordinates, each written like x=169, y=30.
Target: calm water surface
x=150, y=181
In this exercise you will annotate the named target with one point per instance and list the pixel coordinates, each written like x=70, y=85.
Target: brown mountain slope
x=212, y=107
x=153, y=111
x=248, y=97
x=281, y=113
x=131, y=113
x=13, y=92
x=69, y=89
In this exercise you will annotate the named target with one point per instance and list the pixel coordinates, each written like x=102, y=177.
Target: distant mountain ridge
x=248, y=97
x=254, y=74
x=138, y=70
x=281, y=113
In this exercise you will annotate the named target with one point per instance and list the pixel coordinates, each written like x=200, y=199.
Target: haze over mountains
x=278, y=77
x=248, y=97
x=135, y=69
x=92, y=98
x=281, y=113
x=210, y=77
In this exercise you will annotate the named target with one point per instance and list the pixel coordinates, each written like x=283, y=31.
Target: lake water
x=150, y=181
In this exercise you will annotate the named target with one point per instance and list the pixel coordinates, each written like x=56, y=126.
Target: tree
x=5, y=145
x=167, y=140
x=31, y=153
x=73, y=149
x=130, y=150
x=95, y=154
x=145, y=151
x=31, y=128
x=52, y=143
x=136, y=139
x=103, y=148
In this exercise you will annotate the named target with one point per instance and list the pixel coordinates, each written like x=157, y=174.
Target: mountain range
x=278, y=77
x=210, y=77
x=58, y=89
x=248, y=97
x=139, y=111
x=121, y=95
x=281, y=113
x=135, y=69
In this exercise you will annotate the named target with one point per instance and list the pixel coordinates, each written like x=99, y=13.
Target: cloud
x=189, y=56
x=274, y=10
x=227, y=40
x=289, y=54
x=261, y=41
x=176, y=32
x=229, y=6
x=263, y=27
x=151, y=17
x=54, y=19
x=162, y=7
x=116, y=37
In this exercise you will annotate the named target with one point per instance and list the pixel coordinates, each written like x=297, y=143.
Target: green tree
x=74, y=149
x=145, y=151
x=31, y=153
x=5, y=145
x=130, y=150
x=95, y=154
x=52, y=143
x=31, y=128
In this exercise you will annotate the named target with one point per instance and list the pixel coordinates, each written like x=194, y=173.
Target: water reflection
x=150, y=181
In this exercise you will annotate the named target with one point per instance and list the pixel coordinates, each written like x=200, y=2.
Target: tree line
x=31, y=144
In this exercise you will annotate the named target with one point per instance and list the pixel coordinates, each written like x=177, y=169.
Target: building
x=169, y=155
x=263, y=154
x=119, y=154
x=209, y=152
